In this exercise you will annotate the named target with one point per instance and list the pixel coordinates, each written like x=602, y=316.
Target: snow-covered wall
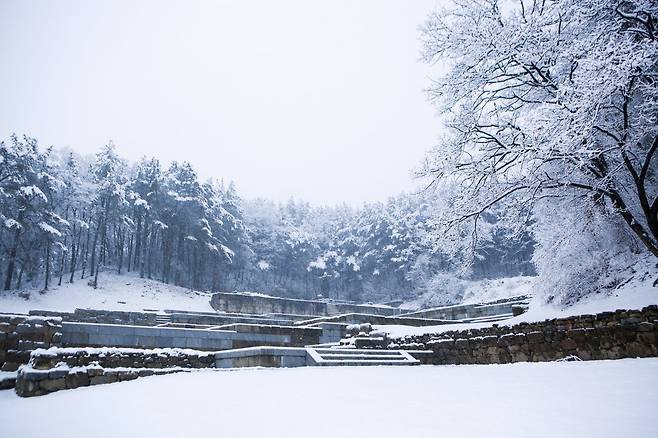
x=263, y=304
x=607, y=335
x=68, y=368
x=20, y=334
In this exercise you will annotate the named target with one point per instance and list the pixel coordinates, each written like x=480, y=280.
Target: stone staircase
x=358, y=357
x=162, y=318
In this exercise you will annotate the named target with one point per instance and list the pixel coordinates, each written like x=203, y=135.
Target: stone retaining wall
x=20, y=334
x=97, y=335
x=109, y=357
x=261, y=304
x=299, y=336
x=221, y=319
x=68, y=368
x=102, y=316
x=608, y=335
x=470, y=311
x=363, y=318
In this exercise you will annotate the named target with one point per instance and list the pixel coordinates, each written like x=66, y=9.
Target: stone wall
x=20, y=334
x=608, y=335
x=299, y=336
x=260, y=305
x=102, y=316
x=97, y=335
x=109, y=357
x=219, y=319
x=262, y=357
x=362, y=318
x=67, y=368
x=471, y=311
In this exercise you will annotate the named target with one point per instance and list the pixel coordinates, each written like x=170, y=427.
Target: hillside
x=115, y=292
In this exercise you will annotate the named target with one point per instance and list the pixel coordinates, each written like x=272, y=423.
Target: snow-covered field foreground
x=574, y=399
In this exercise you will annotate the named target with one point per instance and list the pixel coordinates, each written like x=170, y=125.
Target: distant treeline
x=66, y=218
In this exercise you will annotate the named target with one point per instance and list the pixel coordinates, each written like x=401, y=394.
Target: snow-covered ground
x=570, y=399
x=115, y=292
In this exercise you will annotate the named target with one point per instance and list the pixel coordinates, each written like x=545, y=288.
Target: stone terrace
x=63, y=350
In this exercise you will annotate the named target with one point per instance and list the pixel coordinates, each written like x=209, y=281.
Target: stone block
x=18, y=356
x=645, y=327
x=461, y=343
x=77, y=379
x=9, y=366
x=33, y=375
x=648, y=338
x=52, y=385
x=58, y=373
x=25, y=345
x=107, y=377
x=535, y=337
x=568, y=344
x=16, y=319
x=127, y=375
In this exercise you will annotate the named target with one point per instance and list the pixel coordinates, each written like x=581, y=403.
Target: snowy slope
x=635, y=294
x=570, y=399
x=115, y=292
x=474, y=291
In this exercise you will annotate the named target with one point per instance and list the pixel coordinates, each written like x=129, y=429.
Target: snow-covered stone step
x=361, y=356
x=358, y=357
x=356, y=363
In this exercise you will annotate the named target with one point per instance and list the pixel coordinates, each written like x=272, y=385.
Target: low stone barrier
x=608, y=335
x=20, y=334
x=56, y=369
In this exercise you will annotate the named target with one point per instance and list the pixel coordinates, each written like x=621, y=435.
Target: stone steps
x=358, y=357
x=161, y=318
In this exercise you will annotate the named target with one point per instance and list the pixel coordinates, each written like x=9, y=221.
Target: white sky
x=319, y=100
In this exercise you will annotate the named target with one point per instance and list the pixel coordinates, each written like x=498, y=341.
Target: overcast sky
x=319, y=100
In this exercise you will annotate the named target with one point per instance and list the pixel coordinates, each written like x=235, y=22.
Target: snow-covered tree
x=548, y=102
x=549, y=99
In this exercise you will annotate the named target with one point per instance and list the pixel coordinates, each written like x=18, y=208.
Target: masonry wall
x=362, y=318
x=260, y=305
x=56, y=369
x=298, y=336
x=608, y=335
x=20, y=334
x=102, y=316
x=466, y=311
x=217, y=319
x=83, y=334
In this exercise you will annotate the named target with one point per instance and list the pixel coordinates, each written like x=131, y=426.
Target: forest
x=69, y=218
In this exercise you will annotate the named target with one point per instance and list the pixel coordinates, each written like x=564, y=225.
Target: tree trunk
x=45, y=287
x=12, y=259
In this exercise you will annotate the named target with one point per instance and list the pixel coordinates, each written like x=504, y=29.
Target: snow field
x=570, y=399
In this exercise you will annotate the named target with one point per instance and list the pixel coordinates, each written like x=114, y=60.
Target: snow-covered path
x=576, y=399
